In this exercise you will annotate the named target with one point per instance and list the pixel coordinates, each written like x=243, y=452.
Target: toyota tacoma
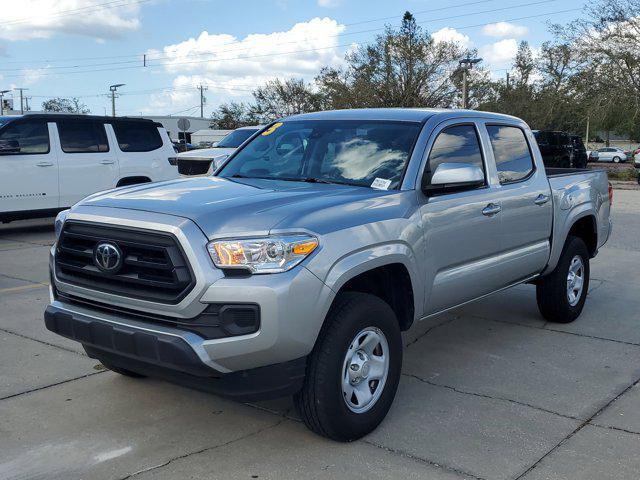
x=295, y=269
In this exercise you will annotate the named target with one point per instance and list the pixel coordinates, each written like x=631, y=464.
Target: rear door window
x=81, y=136
x=25, y=137
x=137, y=136
x=511, y=152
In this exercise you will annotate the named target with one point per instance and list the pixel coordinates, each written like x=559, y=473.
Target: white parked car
x=608, y=154
x=205, y=161
x=48, y=162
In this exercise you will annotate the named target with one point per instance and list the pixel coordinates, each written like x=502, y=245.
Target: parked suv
x=556, y=148
x=48, y=162
x=580, y=158
x=295, y=269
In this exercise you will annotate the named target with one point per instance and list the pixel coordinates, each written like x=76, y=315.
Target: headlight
x=262, y=255
x=59, y=223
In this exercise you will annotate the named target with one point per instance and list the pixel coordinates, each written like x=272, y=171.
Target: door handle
x=107, y=162
x=491, y=209
x=541, y=199
x=44, y=164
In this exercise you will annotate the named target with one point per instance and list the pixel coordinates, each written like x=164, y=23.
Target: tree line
x=588, y=72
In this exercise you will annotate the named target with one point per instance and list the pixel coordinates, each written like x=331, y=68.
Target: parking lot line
x=23, y=287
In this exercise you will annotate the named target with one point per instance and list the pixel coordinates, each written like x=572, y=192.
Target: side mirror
x=9, y=146
x=455, y=176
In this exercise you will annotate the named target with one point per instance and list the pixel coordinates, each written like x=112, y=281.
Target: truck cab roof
x=398, y=114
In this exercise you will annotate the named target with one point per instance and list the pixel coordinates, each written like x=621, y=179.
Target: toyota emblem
x=107, y=257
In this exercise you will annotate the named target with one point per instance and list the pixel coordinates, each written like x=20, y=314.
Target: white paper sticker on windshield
x=381, y=184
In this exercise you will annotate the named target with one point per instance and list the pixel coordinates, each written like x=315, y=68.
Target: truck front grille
x=193, y=167
x=152, y=265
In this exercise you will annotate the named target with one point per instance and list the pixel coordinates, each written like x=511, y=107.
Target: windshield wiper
x=299, y=179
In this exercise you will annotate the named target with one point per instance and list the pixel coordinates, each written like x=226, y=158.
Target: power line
x=150, y=57
x=312, y=49
x=83, y=10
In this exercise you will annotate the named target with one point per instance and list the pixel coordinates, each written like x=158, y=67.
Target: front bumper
x=171, y=355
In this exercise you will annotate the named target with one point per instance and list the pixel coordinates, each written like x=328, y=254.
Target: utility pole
x=2, y=92
x=26, y=101
x=112, y=89
x=21, y=104
x=586, y=138
x=466, y=64
x=202, y=88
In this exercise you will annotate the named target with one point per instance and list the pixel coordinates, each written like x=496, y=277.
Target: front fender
x=360, y=261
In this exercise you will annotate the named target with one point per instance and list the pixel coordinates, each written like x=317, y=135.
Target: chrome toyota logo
x=107, y=257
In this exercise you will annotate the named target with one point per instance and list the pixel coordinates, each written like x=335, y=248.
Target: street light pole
x=2, y=92
x=467, y=64
x=112, y=89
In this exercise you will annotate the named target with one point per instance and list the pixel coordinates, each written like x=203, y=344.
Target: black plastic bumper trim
x=172, y=358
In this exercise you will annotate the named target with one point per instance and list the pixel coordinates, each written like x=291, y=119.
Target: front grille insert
x=193, y=167
x=154, y=267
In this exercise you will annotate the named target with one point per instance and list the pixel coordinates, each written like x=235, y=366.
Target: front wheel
x=562, y=293
x=354, y=369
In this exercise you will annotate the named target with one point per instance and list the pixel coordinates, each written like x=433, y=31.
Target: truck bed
x=576, y=191
x=559, y=172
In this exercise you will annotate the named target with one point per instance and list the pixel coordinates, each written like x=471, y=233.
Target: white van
x=48, y=162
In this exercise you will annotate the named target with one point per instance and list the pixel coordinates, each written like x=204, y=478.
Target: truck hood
x=206, y=153
x=224, y=207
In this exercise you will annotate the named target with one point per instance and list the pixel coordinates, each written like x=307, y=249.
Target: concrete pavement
x=489, y=391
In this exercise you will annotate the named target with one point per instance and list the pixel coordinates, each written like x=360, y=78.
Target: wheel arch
x=386, y=271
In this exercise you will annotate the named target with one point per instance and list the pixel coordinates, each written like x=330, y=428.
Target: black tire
x=616, y=159
x=551, y=291
x=122, y=371
x=320, y=403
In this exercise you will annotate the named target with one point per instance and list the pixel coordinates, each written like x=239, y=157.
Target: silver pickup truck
x=296, y=268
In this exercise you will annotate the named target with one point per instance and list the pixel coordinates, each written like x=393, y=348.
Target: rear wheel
x=561, y=294
x=354, y=369
x=616, y=159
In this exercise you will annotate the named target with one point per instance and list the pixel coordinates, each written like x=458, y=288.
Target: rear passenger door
x=87, y=163
x=527, y=208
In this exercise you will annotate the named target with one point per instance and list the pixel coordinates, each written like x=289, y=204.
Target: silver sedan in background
x=608, y=154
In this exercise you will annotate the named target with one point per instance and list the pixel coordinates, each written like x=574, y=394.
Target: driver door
x=462, y=227
x=28, y=167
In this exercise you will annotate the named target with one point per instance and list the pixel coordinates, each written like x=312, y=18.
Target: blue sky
x=80, y=47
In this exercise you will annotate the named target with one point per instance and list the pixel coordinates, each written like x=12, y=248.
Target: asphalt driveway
x=488, y=391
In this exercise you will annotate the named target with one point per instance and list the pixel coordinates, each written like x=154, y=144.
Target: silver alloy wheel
x=575, y=280
x=365, y=369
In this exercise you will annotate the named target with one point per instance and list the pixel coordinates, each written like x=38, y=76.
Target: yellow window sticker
x=272, y=129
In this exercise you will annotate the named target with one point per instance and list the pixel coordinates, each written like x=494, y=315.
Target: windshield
x=364, y=153
x=235, y=138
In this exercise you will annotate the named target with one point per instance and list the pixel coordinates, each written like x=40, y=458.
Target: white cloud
x=447, y=34
x=32, y=75
x=329, y=3
x=504, y=29
x=500, y=52
x=233, y=67
x=26, y=19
